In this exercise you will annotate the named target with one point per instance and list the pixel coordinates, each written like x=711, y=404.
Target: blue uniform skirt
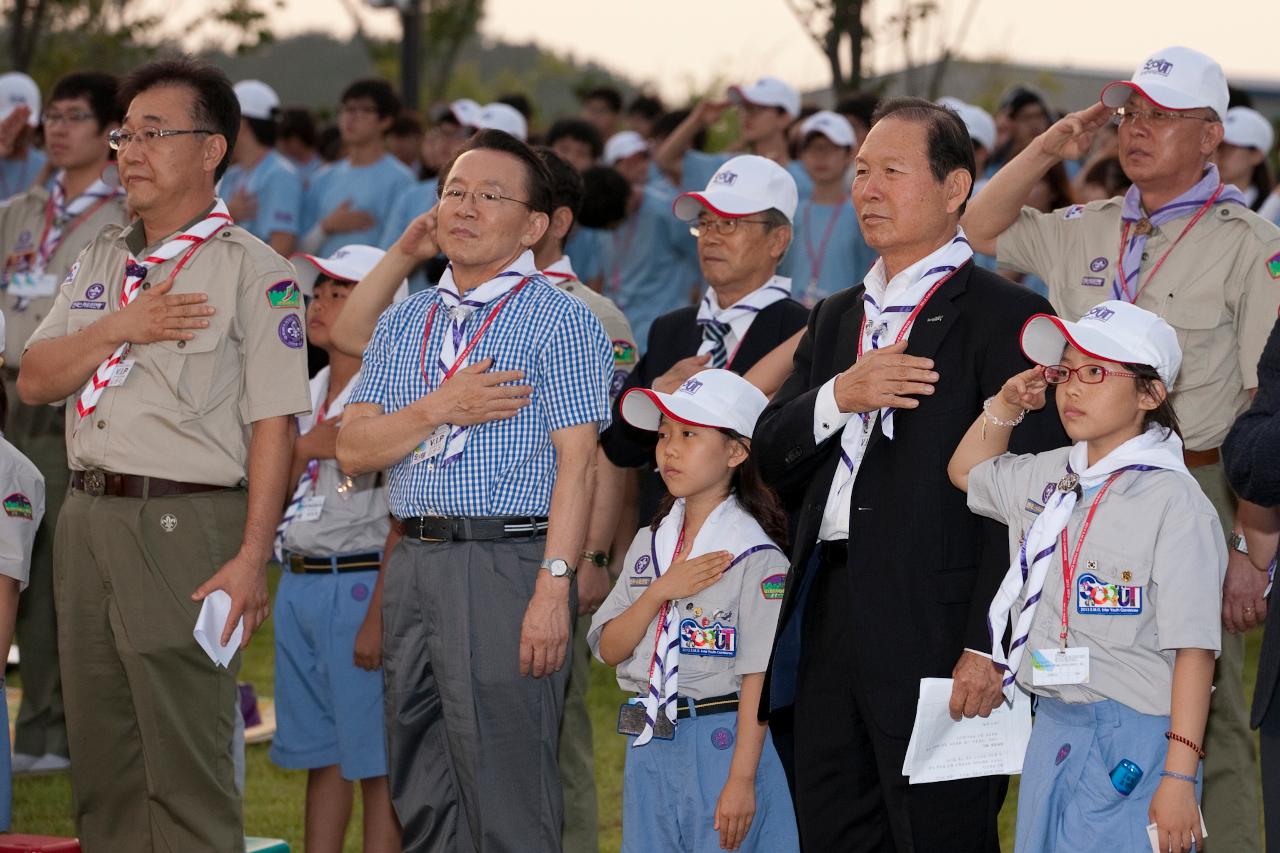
x=1066, y=801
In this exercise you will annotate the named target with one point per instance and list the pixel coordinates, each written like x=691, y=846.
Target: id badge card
x=432, y=447
x=312, y=506
x=28, y=285
x=120, y=373
x=1060, y=666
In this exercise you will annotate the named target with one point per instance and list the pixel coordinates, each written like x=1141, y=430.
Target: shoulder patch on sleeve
x=284, y=294
x=1075, y=211
x=1273, y=265
x=18, y=505
x=624, y=352
x=773, y=587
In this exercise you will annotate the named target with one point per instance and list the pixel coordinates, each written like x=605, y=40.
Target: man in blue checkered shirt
x=484, y=397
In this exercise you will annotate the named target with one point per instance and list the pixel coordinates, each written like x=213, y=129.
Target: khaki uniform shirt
x=615, y=323
x=21, y=510
x=1148, y=582
x=22, y=220
x=1219, y=289
x=184, y=411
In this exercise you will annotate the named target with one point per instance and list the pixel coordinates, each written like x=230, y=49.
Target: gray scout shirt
x=1149, y=579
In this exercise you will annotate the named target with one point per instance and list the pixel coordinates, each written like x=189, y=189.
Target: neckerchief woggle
x=728, y=528
x=888, y=324
x=1152, y=450
x=135, y=271
x=1200, y=196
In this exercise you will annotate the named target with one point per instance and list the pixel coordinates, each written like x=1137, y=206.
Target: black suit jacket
x=672, y=337
x=1251, y=455
x=924, y=567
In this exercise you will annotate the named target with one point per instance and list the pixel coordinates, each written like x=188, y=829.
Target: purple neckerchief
x=1184, y=205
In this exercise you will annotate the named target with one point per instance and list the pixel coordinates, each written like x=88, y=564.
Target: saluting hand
x=1071, y=137
x=476, y=395
x=885, y=378
x=11, y=128
x=1025, y=390
x=158, y=315
x=419, y=239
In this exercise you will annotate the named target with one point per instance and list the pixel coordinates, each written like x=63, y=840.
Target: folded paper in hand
x=209, y=624
x=942, y=748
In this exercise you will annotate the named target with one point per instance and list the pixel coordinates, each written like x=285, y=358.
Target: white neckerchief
x=728, y=528
x=739, y=316
x=135, y=271
x=1025, y=577
x=65, y=212
x=562, y=268
x=457, y=309
x=887, y=305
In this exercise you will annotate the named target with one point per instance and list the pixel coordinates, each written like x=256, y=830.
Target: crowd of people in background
x=776, y=429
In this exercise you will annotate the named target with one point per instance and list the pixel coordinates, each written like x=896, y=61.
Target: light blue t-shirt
x=307, y=171
x=412, y=202
x=816, y=271
x=373, y=189
x=276, y=185
x=645, y=262
x=699, y=166
x=18, y=174
x=583, y=249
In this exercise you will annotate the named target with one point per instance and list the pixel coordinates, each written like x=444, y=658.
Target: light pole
x=410, y=45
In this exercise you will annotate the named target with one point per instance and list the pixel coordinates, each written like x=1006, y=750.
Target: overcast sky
x=683, y=46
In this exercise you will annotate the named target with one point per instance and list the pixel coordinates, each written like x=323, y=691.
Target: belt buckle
x=95, y=482
x=422, y=533
x=295, y=564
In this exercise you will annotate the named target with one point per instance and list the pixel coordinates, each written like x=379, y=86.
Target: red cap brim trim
x=1065, y=335
x=653, y=398
x=697, y=196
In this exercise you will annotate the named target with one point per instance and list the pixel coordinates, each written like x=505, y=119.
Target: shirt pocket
x=187, y=376
x=1196, y=315
x=1109, y=596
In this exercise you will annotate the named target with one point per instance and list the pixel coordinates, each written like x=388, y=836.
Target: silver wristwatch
x=1237, y=541
x=557, y=568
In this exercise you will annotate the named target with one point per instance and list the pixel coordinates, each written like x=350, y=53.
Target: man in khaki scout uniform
x=177, y=345
x=1181, y=245
x=42, y=231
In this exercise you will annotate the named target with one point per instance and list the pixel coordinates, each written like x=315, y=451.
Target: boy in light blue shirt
x=350, y=201
x=262, y=189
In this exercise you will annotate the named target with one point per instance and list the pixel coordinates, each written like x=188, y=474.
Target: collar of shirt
x=885, y=292
x=741, y=321
x=523, y=266
x=135, y=233
x=563, y=266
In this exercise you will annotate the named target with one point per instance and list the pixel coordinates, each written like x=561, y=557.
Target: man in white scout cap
x=1182, y=244
x=628, y=152
x=20, y=161
x=1247, y=137
x=827, y=252
x=743, y=224
x=262, y=188
x=766, y=108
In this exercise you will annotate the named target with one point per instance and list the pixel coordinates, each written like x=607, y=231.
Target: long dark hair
x=760, y=501
x=1162, y=415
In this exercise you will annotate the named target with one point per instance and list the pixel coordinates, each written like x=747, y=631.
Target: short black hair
x=380, y=92
x=518, y=102
x=215, y=106
x=537, y=178
x=566, y=185
x=579, y=129
x=950, y=146
x=604, y=204
x=408, y=123
x=611, y=96
x=668, y=122
x=647, y=106
x=298, y=123
x=265, y=130
x=98, y=88
x=329, y=143
x=860, y=105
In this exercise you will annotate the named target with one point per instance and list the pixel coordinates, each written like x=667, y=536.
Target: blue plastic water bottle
x=1125, y=777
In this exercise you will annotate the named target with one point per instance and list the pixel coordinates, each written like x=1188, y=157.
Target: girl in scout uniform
x=1114, y=591
x=689, y=626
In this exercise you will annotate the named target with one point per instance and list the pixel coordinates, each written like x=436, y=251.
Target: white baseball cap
x=831, y=125
x=768, y=92
x=348, y=263
x=504, y=117
x=744, y=185
x=979, y=123
x=465, y=111
x=1176, y=78
x=709, y=398
x=19, y=90
x=623, y=144
x=257, y=99
x=1112, y=331
x=1248, y=129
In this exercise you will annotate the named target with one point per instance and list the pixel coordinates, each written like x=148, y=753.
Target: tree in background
x=838, y=29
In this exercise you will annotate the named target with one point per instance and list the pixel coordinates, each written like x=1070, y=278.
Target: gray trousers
x=471, y=745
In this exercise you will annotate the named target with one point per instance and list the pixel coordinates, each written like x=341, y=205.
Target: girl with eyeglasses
x=1113, y=594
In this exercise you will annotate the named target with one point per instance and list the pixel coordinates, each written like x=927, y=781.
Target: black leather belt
x=714, y=705
x=302, y=565
x=430, y=528
x=96, y=483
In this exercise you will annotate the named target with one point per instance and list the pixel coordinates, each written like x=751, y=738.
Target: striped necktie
x=714, y=332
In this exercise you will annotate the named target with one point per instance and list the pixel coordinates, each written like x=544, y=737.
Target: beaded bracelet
x=1181, y=776
x=987, y=416
x=1187, y=742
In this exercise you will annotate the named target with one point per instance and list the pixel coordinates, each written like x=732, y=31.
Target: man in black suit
x=891, y=574
x=743, y=225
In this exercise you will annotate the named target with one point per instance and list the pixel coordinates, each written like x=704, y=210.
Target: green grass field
x=274, y=799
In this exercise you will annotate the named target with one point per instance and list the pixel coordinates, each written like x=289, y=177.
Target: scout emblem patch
x=18, y=505
x=1273, y=265
x=169, y=522
x=624, y=352
x=1063, y=752
x=290, y=332
x=284, y=294
x=773, y=587
x=718, y=641
x=1107, y=599
x=722, y=738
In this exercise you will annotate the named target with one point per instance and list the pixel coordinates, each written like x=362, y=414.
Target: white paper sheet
x=1155, y=840
x=208, y=630
x=942, y=749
